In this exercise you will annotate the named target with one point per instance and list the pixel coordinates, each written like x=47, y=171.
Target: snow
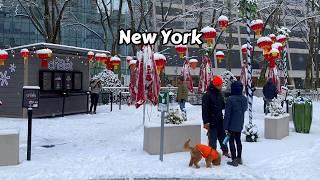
x=3, y=52
x=256, y=22
x=101, y=55
x=276, y=45
x=264, y=39
x=131, y=62
x=181, y=46
x=115, y=58
x=269, y=116
x=274, y=50
x=219, y=53
x=281, y=37
x=24, y=50
x=208, y=29
x=193, y=61
x=223, y=18
x=31, y=87
x=90, y=53
x=44, y=51
x=158, y=56
x=8, y=131
x=110, y=145
x=129, y=58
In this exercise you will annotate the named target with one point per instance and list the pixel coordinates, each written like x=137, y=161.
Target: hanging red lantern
x=193, y=63
x=44, y=55
x=273, y=37
x=219, y=56
x=257, y=26
x=275, y=53
x=107, y=62
x=244, y=49
x=264, y=43
x=129, y=58
x=24, y=53
x=278, y=46
x=90, y=56
x=223, y=22
x=115, y=62
x=132, y=65
x=181, y=50
x=282, y=39
x=160, y=61
x=3, y=56
x=209, y=34
x=101, y=58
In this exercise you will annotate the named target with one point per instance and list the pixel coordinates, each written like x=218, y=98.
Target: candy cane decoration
x=285, y=69
x=250, y=94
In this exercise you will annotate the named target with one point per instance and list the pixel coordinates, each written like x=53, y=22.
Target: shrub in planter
x=251, y=132
x=175, y=116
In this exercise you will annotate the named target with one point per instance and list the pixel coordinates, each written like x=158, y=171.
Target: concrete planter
x=174, y=137
x=276, y=127
x=9, y=147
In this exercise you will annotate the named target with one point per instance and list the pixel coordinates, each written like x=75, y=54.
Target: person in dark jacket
x=182, y=94
x=95, y=88
x=270, y=92
x=236, y=106
x=212, y=106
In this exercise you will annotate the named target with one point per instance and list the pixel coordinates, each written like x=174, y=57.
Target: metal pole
x=162, y=135
x=29, y=134
x=120, y=98
x=88, y=102
x=144, y=113
x=111, y=99
x=63, y=103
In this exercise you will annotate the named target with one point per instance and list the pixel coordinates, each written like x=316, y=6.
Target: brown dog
x=211, y=155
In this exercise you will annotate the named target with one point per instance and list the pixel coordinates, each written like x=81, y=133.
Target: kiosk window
x=68, y=81
x=46, y=81
x=77, y=81
x=57, y=81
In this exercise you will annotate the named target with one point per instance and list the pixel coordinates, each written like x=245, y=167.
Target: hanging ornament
x=219, y=56
x=160, y=61
x=24, y=53
x=264, y=43
x=3, y=56
x=181, y=50
x=275, y=53
x=115, y=62
x=273, y=37
x=223, y=22
x=244, y=49
x=209, y=34
x=257, y=26
x=282, y=39
x=132, y=65
x=278, y=46
x=90, y=56
x=193, y=63
x=129, y=58
x=44, y=55
x=101, y=58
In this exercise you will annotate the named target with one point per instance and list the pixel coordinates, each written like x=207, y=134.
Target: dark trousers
x=235, y=138
x=217, y=134
x=94, y=102
x=182, y=104
x=266, y=105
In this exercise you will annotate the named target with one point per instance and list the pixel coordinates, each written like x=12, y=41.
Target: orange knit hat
x=217, y=81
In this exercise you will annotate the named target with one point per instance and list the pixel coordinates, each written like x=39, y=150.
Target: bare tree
x=46, y=17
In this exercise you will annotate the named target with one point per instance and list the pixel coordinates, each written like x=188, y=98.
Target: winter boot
x=233, y=163
x=239, y=161
x=226, y=154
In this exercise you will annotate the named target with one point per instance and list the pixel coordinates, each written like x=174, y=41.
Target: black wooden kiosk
x=63, y=84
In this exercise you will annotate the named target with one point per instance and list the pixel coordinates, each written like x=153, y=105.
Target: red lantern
x=219, y=56
x=129, y=58
x=223, y=22
x=181, y=50
x=278, y=46
x=282, y=39
x=264, y=43
x=90, y=56
x=115, y=62
x=275, y=53
x=25, y=54
x=193, y=63
x=208, y=34
x=244, y=49
x=132, y=64
x=160, y=61
x=101, y=58
x=273, y=37
x=3, y=56
x=257, y=26
x=44, y=55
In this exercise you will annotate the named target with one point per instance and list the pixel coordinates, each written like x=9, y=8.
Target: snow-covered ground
x=109, y=145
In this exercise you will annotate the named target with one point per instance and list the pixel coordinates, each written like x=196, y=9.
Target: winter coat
x=95, y=87
x=206, y=151
x=212, y=106
x=236, y=106
x=270, y=90
x=182, y=92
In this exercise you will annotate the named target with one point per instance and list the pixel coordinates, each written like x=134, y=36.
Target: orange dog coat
x=206, y=151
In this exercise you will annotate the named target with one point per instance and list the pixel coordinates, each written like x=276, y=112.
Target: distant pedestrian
x=95, y=88
x=182, y=94
x=212, y=106
x=270, y=92
x=236, y=106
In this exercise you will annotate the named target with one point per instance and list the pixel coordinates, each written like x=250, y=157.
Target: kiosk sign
x=30, y=97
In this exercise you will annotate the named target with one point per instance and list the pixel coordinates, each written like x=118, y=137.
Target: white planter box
x=276, y=127
x=174, y=137
x=9, y=147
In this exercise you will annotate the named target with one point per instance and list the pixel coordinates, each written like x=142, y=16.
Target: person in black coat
x=236, y=106
x=212, y=106
x=269, y=92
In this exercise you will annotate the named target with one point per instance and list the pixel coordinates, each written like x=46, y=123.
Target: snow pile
x=44, y=51
x=219, y=53
x=223, y=18
x=193, y=61
x=158, y=56
x=302, y=100
x=208, y=29
x=109, y=79
x=275, y=107
x=256, y=22
x=263, y=40
x=175, y=116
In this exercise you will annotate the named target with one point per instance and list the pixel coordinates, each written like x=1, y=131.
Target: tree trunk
x=230, y=43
